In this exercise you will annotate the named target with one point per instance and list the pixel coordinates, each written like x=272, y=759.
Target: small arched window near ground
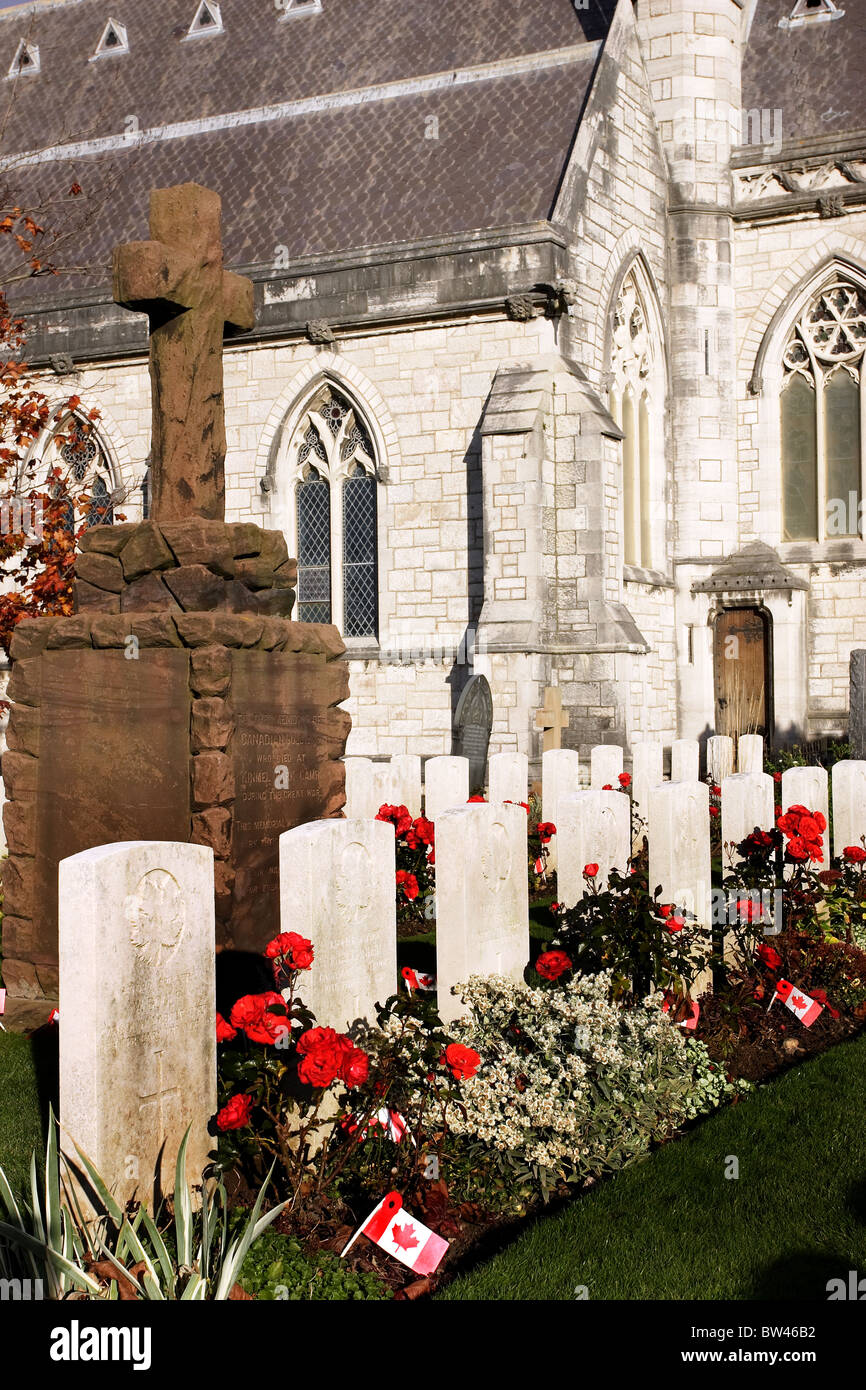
x=71, y=465
x=822, y=408
x=336, y=515
x=636, y=398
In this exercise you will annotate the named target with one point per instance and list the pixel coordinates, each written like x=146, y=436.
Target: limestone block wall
x=777, y=265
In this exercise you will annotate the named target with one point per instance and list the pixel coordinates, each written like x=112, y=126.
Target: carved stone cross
x=177, y=279
x=551, y=719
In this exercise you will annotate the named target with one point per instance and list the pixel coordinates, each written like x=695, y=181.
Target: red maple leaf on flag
x=797, y=1001
x=404, y=1237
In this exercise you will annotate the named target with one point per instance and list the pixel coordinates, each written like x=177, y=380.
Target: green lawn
x=20, y=1127
x=673, y=1227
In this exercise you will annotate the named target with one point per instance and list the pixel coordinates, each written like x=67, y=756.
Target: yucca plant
x=47, y=1240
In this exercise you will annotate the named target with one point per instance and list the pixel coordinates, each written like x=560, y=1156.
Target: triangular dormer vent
x=114, y=40
x=208, y=20
x=805, y=11
x=26, y=60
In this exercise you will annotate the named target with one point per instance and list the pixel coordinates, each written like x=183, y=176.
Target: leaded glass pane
x=100, y=512
x=360, y=592
x=314, y=549
x=842, y=435
x=799, y=461
x=630, y=500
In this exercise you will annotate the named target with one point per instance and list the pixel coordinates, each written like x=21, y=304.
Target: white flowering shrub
x=572, y=1085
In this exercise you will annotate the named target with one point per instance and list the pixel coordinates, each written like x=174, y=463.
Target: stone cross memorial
x=137, y=993
x=552, y=719
x=179, y=702
x=177, y=279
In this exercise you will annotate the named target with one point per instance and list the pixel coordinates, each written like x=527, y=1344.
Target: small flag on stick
x=800, y=1003
x=401, y=1235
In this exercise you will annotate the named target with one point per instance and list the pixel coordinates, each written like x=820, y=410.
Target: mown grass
x=674, y=1227
x=21, y=1127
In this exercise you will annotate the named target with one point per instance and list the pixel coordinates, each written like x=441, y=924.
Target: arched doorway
x=742, y=665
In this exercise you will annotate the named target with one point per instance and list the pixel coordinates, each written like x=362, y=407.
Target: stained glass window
x=821, y=444
x=336, y=516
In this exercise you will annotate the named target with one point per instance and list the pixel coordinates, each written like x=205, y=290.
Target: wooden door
x=742, y=671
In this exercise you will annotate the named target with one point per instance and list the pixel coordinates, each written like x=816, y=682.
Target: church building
x=557, y=374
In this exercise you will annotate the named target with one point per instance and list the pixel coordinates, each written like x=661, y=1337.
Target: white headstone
x=747, y=802
x=507, y=777
x=720, y=757
x=406, y=781
x=360, y=788
x=679, y=846
x=446, y=785
x=750, y=753
x=685, y=760
x=482, y=898
x=809, y=787
x=605, y=765
x=138, y=1010
x=337, y=889
x=647, y=771
x=849, y=803
x=560, y=775
x=594, y=828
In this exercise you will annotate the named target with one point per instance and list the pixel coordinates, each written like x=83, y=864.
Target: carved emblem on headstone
x=354, y=886
x=156, y=916
x=496, y=858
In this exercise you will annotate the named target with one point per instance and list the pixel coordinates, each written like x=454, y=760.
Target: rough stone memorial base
x=156, y=717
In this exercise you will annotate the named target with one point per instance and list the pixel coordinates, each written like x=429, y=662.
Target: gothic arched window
x=636, y=399
x=822, y=403
x=336, y=515
x=71, y=464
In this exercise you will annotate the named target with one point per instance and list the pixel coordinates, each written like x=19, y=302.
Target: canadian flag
x=416, y=979
x=401, y=1235
x=798, y=1002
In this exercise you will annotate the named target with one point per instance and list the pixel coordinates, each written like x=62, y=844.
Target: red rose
x=749, y=909
x=551, y=964
x=545, y=831
x=398, y=816
x=714, y=810
x=254, y=1014
x=717, y=791
x=769, y=956
x=421, y=832
x=477, y=798
x=624, y=780
x=607, y=787
x=294, y=952
x=408, y=882
x=323, y=1053
x=777, y=776
x=590, y=870
x=666, y=909
x=855, y=854
x=355, y=1068
x=236, y=1114
x=225, y=1032
x=676, y=923
x=797, y=849
x=463, y=1061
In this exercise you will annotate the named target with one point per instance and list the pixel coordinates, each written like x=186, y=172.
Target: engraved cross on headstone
x=158, y=1097
x=551, y=719
x=177, y=279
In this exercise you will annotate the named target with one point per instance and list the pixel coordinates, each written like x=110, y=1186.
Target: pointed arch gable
x=634, y=261
x=290, y=404
x=793, y=298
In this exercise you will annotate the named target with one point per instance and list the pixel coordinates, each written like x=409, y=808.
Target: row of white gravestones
x=370, y=785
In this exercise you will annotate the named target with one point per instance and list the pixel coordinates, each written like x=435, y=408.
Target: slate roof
x=812, y=72
x=333, y=180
